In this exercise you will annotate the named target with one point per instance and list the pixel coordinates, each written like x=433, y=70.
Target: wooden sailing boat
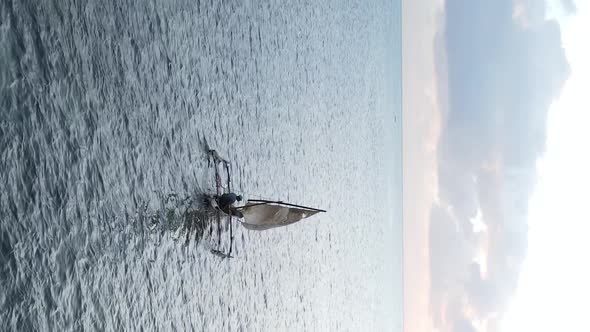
x=256, y=214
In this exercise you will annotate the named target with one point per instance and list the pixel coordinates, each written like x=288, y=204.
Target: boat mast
x=263, y=201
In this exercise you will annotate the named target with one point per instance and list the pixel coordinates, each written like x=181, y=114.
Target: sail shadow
x=197, y=224
x=182, y=218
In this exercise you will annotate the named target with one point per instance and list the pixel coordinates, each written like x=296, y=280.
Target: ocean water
x=105, y=108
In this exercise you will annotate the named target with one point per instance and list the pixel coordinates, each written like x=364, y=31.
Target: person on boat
x=226, y=203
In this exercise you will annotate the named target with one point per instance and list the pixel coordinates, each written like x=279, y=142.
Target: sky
x=420, y=132
x=494, y=184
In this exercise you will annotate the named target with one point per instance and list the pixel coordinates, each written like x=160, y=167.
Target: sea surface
x=106, y=111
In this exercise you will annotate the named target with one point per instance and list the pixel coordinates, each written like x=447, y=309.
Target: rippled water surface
x=105, y=108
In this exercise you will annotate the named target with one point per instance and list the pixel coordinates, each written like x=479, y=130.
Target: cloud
x=569, y=6
x=462, y=325
x=449, y=259
x=502, y=75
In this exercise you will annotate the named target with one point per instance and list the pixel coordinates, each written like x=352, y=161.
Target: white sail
x=261, y=216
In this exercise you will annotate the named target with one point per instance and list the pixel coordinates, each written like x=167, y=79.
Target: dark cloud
x=502, y=77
